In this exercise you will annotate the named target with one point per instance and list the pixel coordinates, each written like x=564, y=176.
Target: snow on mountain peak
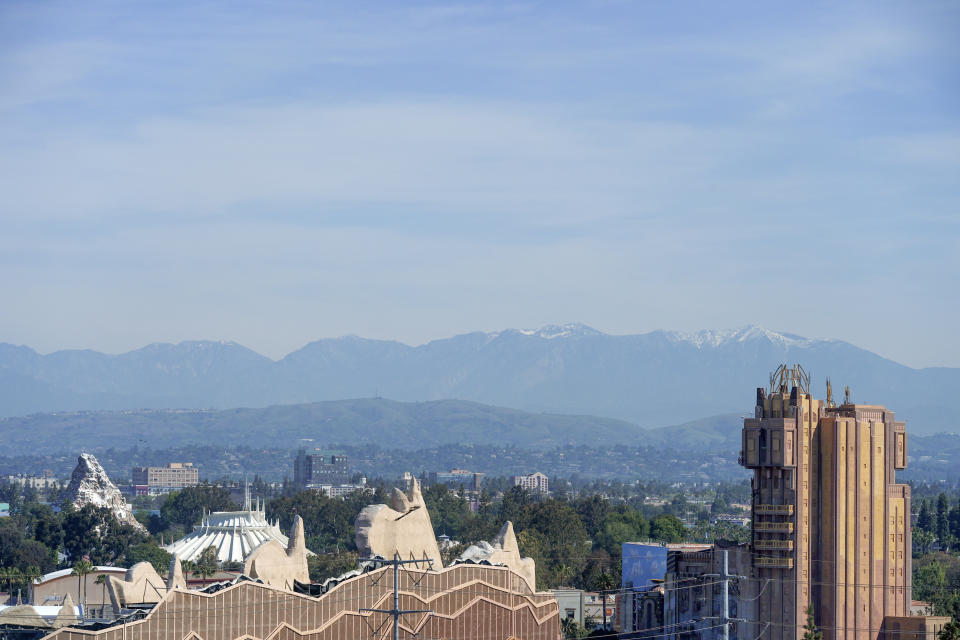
x=567, y=330
x=551, y=331
x=713, y=338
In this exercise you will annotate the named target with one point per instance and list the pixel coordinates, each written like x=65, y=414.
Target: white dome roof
x=234, y=534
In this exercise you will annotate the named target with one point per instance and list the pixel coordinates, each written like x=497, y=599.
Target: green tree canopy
x=186, y=507
x=667, y=528
x=331, y=565
x=593, y=513
x=925, y=519
x=327, y=522
x=513, y=507
x=20, y=552
x=448, y=511
x=623, y=525
x=943, y=518
x=955, y=521
x=38, y=521
x=95, y=532
x=150, y=552
x=207, y=563
x=950, y=631
x=933, y=575
x=810, y=631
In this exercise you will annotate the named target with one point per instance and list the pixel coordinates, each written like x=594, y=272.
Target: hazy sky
x=277, y=172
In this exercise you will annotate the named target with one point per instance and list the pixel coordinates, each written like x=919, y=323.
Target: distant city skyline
x=276, y=173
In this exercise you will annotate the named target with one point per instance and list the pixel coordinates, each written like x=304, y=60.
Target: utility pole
x=396, y=612
x=725, y=578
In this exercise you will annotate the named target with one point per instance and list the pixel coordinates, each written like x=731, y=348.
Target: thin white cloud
x=276, y=176
x=456, y=157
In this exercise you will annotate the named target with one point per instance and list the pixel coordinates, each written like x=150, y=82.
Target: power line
x=725, y=577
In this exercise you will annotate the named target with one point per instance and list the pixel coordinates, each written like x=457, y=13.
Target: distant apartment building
x=342, y=490
x=456, y=478
x=152, y=481
x=320, y=467
x=534, y=483
x=46, y=481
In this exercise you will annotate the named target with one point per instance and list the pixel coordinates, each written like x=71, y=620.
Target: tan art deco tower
x=830, y=524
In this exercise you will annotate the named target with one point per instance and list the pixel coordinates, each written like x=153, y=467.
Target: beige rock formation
x=25, y=615
x=277, y=566
x=504, y=550
x=68, y=614
x=405, y=529
x=175, y=578
x=143, y=585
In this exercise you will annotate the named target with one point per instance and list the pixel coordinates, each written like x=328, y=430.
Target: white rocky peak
x=188, y=346
x=567, y=330
x=552, y=331
x=503, y=550
x=717, y=337
x=90, y=484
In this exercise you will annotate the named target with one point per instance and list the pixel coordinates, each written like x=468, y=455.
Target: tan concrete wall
x=53, y=591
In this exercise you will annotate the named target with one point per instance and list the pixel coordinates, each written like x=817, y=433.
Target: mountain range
x=652, y=379
x=368, y=421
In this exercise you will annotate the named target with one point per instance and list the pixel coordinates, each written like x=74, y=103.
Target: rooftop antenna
x=830, y=402
x=846, y=394
x=785, y=378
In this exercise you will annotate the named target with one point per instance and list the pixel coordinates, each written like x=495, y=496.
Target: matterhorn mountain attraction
x=89, y=484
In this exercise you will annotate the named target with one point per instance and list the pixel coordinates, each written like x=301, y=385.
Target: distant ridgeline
x=653, y=379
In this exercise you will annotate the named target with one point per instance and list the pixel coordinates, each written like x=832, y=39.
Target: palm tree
x=10, y=576
x=189, y=568
x=31, y=574
x=207, y=563
x=603, y=583
x=81, y=568
x=102, y=581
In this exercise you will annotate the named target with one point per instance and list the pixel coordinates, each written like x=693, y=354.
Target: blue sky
x=273, y=173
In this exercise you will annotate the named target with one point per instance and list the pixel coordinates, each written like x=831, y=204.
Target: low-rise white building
x=585, y=607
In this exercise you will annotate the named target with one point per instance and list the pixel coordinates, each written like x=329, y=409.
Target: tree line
x=938, y=525
x=576, y=540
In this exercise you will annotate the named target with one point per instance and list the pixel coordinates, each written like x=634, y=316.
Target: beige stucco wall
x=52, y=592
